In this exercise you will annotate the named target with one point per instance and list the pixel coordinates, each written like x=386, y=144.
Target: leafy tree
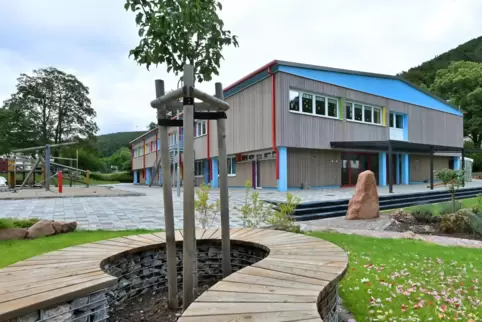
x=452, y=180
x=49, y=106
x=461, y=84
x=151, y=126
x=108, y=144
x=177, y=32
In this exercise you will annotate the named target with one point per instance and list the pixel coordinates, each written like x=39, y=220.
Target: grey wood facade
x=425, y=125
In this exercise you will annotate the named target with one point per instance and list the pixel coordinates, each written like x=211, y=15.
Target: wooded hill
x=424, y=74
x=108, y=144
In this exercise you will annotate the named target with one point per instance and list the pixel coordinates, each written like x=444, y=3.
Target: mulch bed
x=427, y=229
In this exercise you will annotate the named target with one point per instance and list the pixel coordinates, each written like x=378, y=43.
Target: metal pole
x=223, y=188
x=44, y=147
x=168, y=206
x=188, y=195
x=77, y=151
x=178, y=161
x=390, y=172
x=67, y=167
x=47, y=167
x=462, y=166
x=70, y=173
x=431, y=169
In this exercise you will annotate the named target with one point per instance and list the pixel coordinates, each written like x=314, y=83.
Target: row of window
x=200, y=167
x=314, y=104
x=200, y=128
x=148, y=148
x=321, y=105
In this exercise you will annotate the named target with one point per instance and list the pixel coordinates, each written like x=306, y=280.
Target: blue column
x=136, y=179
x=382, y=169
x=456, y=163
x=148, y=175
x=283, y=169
x=405, y=127
x=206, y=171
x=214, y=179
x=397, y=168
x=405, y=169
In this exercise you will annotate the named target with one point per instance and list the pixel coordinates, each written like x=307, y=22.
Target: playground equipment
x=43, y=163
x=212, y=108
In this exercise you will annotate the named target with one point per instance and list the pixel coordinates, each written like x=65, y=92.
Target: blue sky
x=92, y=38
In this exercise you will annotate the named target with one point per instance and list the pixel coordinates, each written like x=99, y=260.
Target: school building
x=293, y=126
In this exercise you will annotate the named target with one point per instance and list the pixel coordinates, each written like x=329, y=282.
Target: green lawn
x=406, y=280
x=18, y=250
x=467, y=203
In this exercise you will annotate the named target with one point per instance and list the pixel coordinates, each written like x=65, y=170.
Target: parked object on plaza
x=364, y=203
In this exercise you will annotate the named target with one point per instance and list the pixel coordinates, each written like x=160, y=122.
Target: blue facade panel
x=386, y=87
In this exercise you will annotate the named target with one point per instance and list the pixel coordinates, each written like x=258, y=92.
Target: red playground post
x=60, y=181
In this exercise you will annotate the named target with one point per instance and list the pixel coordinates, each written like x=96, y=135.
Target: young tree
x=179, y=32
x=151, y=126
x=54, y=106
x=452, y=180
x=461, y=84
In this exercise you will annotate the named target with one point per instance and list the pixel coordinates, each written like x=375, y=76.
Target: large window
x=231, y=166
x=200, y=129
x=199, y=168
x=313, y=104
x=363, y=113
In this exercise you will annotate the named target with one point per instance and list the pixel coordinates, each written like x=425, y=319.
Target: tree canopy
x=179, y=32
x=461, y=84
x=49, y=106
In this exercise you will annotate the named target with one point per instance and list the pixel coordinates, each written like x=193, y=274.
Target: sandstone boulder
x=13, y=233
x=364, y=203
x=41, y=229
x=62, y=227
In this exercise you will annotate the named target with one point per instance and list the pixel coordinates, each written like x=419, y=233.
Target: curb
x=133, y=194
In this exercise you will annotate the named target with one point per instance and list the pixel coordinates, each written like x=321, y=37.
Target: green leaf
x=139, y=18
x=141, y=32
x=126, y=5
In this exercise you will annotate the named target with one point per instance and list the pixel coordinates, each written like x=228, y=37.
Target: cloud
x=92, y=38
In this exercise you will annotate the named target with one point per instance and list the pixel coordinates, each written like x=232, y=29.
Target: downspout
x=273, y=119
x=144, y=158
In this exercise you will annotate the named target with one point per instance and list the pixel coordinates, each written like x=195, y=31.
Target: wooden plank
x=260, y=234
x=240, y=297
x=299, y=270
x=208, y=309
x=288, y=316
x=199, y=232
x=12, y=269
x=140, y=240
x=39, y=278
x=254, y=232
x=178, y=235
x=321, y=258
x=115, y=243
x=237, y=234
x=12, y=309
x=48, y=286
x=209, y=233
x=310, y=245
x=129, y=242
x=257, y=271
x=153, y=238
x=267, y=281
x=308, y=252
x=161, y=235
x=227, y=286
x=311, y=267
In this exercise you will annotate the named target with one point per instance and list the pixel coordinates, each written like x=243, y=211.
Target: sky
x=92, y=38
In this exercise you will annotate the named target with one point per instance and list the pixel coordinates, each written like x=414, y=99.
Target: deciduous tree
x=461, y=85
x=179, y=32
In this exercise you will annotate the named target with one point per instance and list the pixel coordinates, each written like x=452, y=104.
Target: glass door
x=352, y=164
x=396, y=126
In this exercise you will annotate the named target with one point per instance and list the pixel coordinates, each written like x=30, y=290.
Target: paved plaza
x=146, y=212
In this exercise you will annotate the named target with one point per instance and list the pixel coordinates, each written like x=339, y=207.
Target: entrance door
x=396, y=126
x=355, y=163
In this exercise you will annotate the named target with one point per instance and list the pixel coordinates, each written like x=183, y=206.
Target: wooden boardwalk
x=284, y=286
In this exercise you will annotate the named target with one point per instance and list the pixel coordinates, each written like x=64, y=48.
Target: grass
x=437, y=207
x=17, y=223
x=17, y=250
x=406, y=280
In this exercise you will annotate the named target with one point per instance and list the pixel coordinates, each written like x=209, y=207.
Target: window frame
x=201, y=165
x=199, y=128
x=314, y=100
x=363, y=107
x=233, y=161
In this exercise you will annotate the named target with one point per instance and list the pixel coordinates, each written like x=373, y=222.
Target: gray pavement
x=146, y=212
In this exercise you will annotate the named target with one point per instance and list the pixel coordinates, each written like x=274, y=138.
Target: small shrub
x=254, y=211
x=24, y=223
x=206, y=212
x=452, y=180
x=281, y=218
x=429, y=209
x=458, y=222
x=5, y=223
x=476, y=224
x=450, y=207
x=425, y=217
x=477, y=208
x=124, y=177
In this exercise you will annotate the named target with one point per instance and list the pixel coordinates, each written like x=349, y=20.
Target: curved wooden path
x=284, y=286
